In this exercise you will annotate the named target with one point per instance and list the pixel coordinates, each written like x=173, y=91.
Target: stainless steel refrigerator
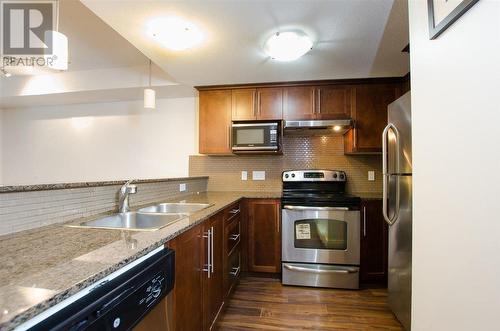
x=397, y=205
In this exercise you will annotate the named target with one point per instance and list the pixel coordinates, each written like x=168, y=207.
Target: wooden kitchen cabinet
x=333, y=102
x=215, y=122
x=370, y=117
x=187, y=293
x=374, y=243
x=257, y=104
x=270, y=103
x=244, y=104
x=299, y=103
x=326, y=102
x=213, y=295
x=264, y=235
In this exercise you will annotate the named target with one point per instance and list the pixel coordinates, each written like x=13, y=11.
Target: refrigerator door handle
x=386, y=174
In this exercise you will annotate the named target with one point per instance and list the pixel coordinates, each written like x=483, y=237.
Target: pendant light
x=149, y=93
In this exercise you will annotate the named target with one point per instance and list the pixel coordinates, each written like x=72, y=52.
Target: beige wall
x=319, y=152
x=95, y=142
x=456, y=163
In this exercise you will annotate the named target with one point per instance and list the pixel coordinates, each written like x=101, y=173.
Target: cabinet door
x=187, y=293
x=333, y=102
x=299, y=103
x=212, y=285
x=264, y=235
x=244, y=105
x=215, y=122
x=370, y=117
x=374, y=243
x=270, y=103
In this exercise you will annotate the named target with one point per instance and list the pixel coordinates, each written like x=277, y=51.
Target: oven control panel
x=314, y=176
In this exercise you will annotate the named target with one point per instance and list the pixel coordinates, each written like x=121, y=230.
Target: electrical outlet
x=244, y=175
x=371, y=175
x=258, y=175
x=182, y=187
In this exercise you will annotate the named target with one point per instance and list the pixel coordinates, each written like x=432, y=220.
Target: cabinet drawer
x=233, y=268
x=233, y=234
x=232, y=212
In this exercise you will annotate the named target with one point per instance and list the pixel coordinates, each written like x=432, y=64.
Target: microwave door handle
x=386, y=174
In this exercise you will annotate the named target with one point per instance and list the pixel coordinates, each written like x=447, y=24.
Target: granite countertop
x=44, y=266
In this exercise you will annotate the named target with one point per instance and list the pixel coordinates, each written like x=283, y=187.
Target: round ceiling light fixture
x=175, y=33
x=288, y=46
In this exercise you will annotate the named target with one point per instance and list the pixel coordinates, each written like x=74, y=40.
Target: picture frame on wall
x=443, y=13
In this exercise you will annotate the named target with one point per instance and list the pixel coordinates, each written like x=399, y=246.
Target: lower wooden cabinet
x=374, y=243
x=198, y=296
x=264, y=235
x=187, y=293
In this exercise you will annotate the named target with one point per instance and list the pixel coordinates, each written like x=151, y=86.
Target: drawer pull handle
x=234, y=211
x=235, y=237
x=235, y=271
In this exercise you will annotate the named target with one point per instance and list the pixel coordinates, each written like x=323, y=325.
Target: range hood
x=318, y=127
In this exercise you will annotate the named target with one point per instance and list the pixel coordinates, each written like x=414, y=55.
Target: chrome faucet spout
x=123, y=195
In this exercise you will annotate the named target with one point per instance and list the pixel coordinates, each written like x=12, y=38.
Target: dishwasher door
x=122, y=301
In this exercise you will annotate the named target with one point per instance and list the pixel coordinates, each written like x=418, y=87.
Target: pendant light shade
x=149, y=98
x=149, y=93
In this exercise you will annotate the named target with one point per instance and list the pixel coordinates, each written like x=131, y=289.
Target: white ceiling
x=353, y=38
x=92, y=43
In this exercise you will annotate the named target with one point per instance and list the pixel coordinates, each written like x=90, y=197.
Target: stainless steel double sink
x=150, y=218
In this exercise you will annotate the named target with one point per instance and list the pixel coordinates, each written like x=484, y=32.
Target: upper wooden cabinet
x=334, y=102
x=244, y=104
x=215, y=122
x=317, y=102
x=364, y=101
x=257, y=104
x=270, y=103
x=370, y=117
x=299, y=103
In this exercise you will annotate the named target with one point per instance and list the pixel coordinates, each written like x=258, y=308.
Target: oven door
x=320, y=235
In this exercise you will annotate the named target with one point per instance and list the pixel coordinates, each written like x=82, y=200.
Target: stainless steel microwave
x=255, y=136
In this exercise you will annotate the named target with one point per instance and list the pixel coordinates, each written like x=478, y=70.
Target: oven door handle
x=321, y=271
x=315, y=208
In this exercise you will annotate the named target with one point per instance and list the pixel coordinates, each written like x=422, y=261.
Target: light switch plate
x=371, y=175
x=244, y=175
x=258, y=175
x=182, y=187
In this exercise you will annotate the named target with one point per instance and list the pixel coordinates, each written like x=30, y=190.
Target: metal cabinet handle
x=315, y=208
x=386, y=174
x=364, y=221
x=234, y=211
x=235, y=271
x=208, y=265
x=319, y=101
x=212, y=249
x=320, y=271
x=234, y=237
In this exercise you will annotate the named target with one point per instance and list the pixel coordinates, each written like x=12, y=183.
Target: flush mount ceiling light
x=175, y=33
x=288, y=46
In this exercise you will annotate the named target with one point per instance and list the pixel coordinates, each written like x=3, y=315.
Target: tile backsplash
x=27, y=210
x=299, y=152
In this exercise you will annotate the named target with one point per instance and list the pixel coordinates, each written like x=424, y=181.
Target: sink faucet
x=124, y=192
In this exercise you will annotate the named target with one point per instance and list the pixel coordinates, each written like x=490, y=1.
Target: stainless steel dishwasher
x=118, y=302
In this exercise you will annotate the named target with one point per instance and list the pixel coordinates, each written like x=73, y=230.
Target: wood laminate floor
x=265, y=304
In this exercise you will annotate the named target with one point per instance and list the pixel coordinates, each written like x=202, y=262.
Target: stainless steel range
x=320, y=230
